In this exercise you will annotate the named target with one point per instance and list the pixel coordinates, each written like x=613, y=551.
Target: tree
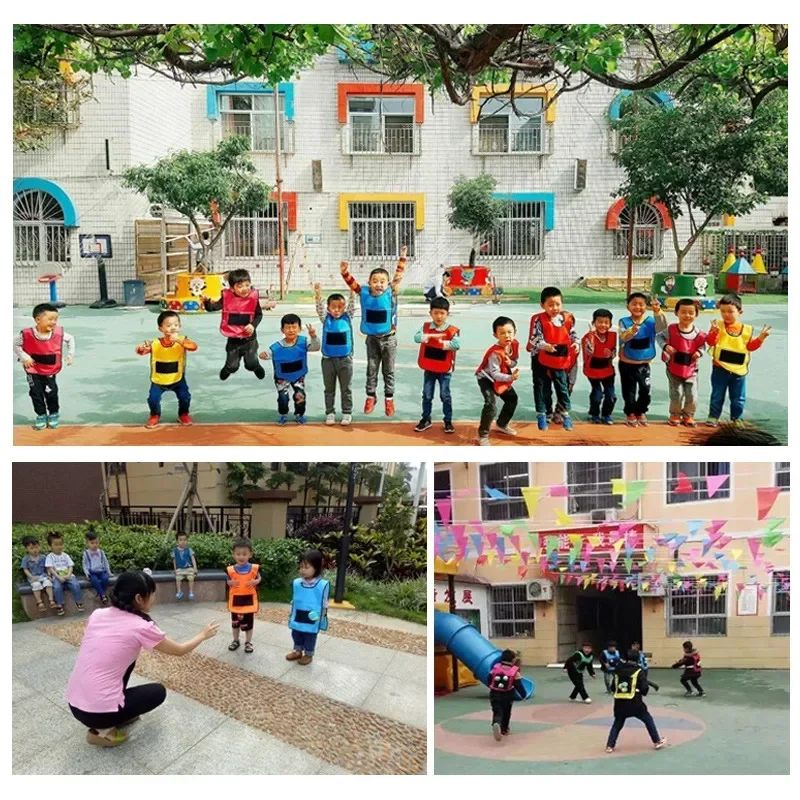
x=474, y=209
x=243, y=476
x=194, y=183
x=400, y=481
x=278, y=479
x=697, y=159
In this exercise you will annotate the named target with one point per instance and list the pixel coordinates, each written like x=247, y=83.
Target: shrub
x=410, y=595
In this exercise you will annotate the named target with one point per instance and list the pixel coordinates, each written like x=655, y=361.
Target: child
x=60, y=568
x=241, y=315
x=682, y=344
x=41, y=350
x=730, y=343
x=379, y=324
x=289, y=358
x=637, y=338
x=168, y=367
x=642, y=661
x=309, y=613
x=96, y=567
x=599, y=348
x=184, y=565
x=496, y=375
x=337, y=353
x=33, y=565
x=243, y=578
x=609, y=659
x=438, y=343
x=504, y=678
x=551, y=338
x=575, y=665
x=630, y=686
x=691, y=669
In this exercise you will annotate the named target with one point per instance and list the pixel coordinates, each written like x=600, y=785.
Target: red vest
x=502, y=677
x=237, y=313
x=432, y=356
x=680, y=363
x=500, y=386
x=558, y=336
x=47, y=354
x=598, y=362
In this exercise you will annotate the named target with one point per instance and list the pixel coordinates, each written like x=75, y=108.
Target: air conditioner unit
x=652, y=591
x=603, y=515
x=540, y=590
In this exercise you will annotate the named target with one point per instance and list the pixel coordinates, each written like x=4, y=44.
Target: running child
x=690, y=661
x=96, y=567
x=41, y=351
x=504, y=678
x=309, y=612
x=61, y=567
x=243, y=578
x=168, y=367
x=337, y=352
x=33, y=565
x=379, y=325
x=241, y=315
x=289, y=358
x=731, y=343
x=496, y=375
x=184, y=565
x=438, y=342
x=578, y=663
x=599, y=348
x=609, y=660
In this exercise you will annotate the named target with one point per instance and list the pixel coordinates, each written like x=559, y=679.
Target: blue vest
x=290, y=363
x=642, y=661
x=642, y=347
x=611, y=659
x=307, y=603
x=337, y=336
x=376, y=312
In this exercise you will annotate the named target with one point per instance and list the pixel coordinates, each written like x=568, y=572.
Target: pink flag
x=491, y=538
x=713, y=528
x=524, y=555
x=684, y=485
x=559, y=491
x=601, y=564
x=443, y=507
x=515, y=541
x=714, y=482
x=766, y=499
x=754, y=543
x=723, y=540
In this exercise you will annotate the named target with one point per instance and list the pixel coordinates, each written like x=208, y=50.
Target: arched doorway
x=41, y=235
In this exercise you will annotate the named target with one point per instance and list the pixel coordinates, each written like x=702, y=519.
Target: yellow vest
x=167, y=363
x=626, y=690
x=731, y=352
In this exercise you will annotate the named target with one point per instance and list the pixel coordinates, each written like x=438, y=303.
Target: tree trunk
x=679, y=266
x=472, y=257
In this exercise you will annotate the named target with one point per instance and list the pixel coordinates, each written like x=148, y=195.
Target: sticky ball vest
x=432, y=356
x=598, y=366
x=306, y=615
x=376, y=312
x=680, y=363
x=611, y=659
x=502, y=677
x=337, y=337
x=243, y=599
x=167, y=363
x=556, y=335
x=47, y=355
x=731, y=351
x=585, y=660
x=237, y=313
x=642, y=347
x=499, y=386
x=625, y=689
x=290, y=363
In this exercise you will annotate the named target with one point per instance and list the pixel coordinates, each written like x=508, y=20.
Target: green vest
x=626, y=689
x=585, y=660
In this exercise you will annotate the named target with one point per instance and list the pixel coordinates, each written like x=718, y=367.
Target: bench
x=209, y=586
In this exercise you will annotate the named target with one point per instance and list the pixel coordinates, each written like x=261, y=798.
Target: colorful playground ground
x=103, y=394
x=741, y=727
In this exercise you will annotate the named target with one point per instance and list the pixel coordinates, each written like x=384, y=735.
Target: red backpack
x=502, y=677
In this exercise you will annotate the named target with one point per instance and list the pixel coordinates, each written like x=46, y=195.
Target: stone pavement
x=357, y=708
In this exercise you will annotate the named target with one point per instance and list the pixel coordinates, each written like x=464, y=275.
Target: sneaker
x=152, y=422
x=609, y=749
x=185, y=420
x=689, y=422
x=507, y=430
x=712, y=422
x=347, y=419
x=567, y=421
x=448, y=427
x=642, y=420
x=282, y=419
x=541, y=422
x=738, y=422
x=594, y=420
x=701, y=694
x=191, y=595
x=389, y=406
x=79, y=606
x=224, y=374
x=330, y=419
x=300, y=419
x=483, y=441
x=53, y=421
x=608, y=421
x=496, y=731
x=40, y=423
x=659, y=744
x=423, y=425
x=631, y=420
x=674, y=421
x=369, y=405
x=259, y=372
x=179, y=595
x=588, y=700
x=104, y=600
x=689, y=694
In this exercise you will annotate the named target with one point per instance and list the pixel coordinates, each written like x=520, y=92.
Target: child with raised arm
x=168, y=367
x=599, y=347
x=289, y=358
x=337, y=352
x=379, y=325
x=61, y=567
x=96, y=567
x=33, y=565
x=41, y=351
x=496, y=375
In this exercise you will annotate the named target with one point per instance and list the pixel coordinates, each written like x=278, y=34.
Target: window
x=253, y=115
x=782, y=474
x=696, y=473
x=521, y=233
x=590, y=486
x=441, y=490
x=647, y=233
x=116, y=467
x=512, y=614
x=502, y=130
x=40, y=236
x=507, y=478
x=256, y=236
x=381, y=124
x=379, y=230
x=693, y=610
x=780, y=603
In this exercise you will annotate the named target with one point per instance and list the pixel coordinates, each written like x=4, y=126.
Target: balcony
x=262, y=138
x=498, y=140
x=393, y=139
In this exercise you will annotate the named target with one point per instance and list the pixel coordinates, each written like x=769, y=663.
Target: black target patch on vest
x=684, y=359
x=732, y=357
x=240, y=319
x=44, y=358
x=599, y=363
x=377, y=316
x=435, y=354
x=336, y=338
x=561, y=350
x=303, y=617
x=243, y=600
x=641, y=343
x=288, y=367
x=167, y=367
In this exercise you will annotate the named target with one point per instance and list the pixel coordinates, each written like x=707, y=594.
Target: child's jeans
x=502, y=704
x=43, y=392
x=722, y=381
x=99, y=581
x=304, y=642
x=508, y=398
x=572, y=377
x=543, y=379
x=295, y=390
x=682, y=395
x=237, y=350
x=619, y=723
x=635, y=378
x=341, y=369
x=181, y=390
x=429, y=381
x=381, y=352
x=602, y=390
x=71, y=584
x=608, y=677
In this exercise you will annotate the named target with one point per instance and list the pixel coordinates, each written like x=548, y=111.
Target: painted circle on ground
x=559, y=732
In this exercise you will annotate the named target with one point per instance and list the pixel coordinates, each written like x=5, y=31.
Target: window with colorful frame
x=380, y=229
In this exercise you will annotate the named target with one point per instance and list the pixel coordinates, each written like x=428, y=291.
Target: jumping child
x=599, y=348
x=609, y=659
x=243, y=578
x=184, y=565
x=33, y=565
x=504, y=678
x=690, y=661
x=309, y=612
x=575, y=665
x=96, y=567
x=496, y=375
x=60, y=568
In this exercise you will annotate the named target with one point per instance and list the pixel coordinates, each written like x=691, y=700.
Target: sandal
x=40, y=606
x=52, y=604
x=248, y=648
x=60, y=611
x=234, y=645
x=93, y=737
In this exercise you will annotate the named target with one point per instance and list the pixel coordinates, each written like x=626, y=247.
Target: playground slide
x=469, y=647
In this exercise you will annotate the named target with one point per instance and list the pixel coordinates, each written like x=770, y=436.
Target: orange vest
x=499, y=386
x=596, y=365
x=556, y=335
x=432, y=356
x=243, y=599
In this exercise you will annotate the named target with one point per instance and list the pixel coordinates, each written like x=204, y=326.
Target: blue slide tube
x=468, y=646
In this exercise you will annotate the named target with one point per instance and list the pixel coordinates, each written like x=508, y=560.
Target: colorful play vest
x=731, y=351
x=243, y=599
x=376, y=312
x=681, y=363
x=625, y=689
x=596, y=365
x=642, y=347
x=337, y=337
x=500, y=386
x=556, y=335
x=167, y=363
x=611, y=659
x=306, y=614
x=237, y=313
x=502, y=677
x=585, y=661
x=290, y=363
x=46, y=355
x=432, y=356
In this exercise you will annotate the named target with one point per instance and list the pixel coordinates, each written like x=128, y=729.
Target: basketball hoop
x=49, y=278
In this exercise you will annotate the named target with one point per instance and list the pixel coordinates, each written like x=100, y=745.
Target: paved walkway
x=358, y=708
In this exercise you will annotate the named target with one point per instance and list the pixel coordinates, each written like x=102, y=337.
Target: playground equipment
x=670, y=287
x=51, y=276
x=443, y=678
x=471, y=282
x=190, y=287
x=740, y=277
x=98, y=247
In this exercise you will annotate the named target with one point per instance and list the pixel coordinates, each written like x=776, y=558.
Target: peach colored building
x=674, y=593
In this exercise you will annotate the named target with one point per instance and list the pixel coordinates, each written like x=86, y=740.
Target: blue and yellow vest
x=306, y=614
x=290, y=363
x=641, y=347
x=337, y=337
x=376, y=312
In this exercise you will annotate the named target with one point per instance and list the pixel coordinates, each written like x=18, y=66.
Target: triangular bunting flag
x=601, y=564
x=684, y=485
x=754, y=543
x=482, y=560
x=714, y=527
x=443, y=507
x=495, y=494
x=559, y=491
x=562, y=518
x=628, y=563
x=522, y=571
x=635, y=490
x=771, y=539
x=515, y=542
x=714, y=483
x=524, y=555
x=491, y=538
x=694, y=526
x=773, y=523
x=736, y=552
x=500, y=546
x=508, y=528
x=617, y=486
x=477, y=543
x=724, y=540
x=766, y=499
x=531, y=495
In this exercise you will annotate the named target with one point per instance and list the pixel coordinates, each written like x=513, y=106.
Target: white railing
x=262, y=140
x=488, y=140
x=392, y=139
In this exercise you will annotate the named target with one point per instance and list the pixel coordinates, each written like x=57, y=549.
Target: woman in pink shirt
x=97, y=692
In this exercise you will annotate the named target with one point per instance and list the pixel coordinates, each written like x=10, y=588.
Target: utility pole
x=279, y=185
x=344, y=550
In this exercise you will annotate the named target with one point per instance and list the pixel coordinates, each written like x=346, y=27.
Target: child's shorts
x=244, y=622
x=186, y=572
x=40, y=582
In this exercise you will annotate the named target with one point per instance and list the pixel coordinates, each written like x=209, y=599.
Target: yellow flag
x=618, y=545
x=718, y=591
x=617, y=486
x=595, y=541
x=586, y=581
x=736, y=552
x=671, y=566
x=563, y=518
x=646, y=586
x=531, y=495
x=490, y=554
